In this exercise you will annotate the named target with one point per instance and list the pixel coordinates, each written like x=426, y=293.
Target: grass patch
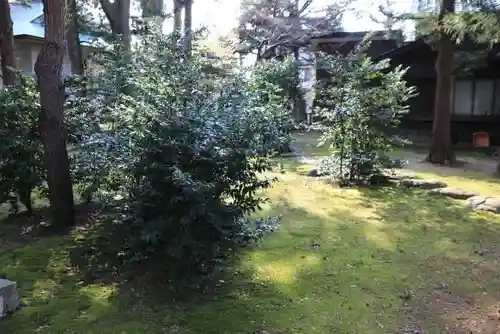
x=460, y=177
x=343, y=261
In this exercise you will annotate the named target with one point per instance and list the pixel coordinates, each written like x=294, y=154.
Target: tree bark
x=7, y=56
x=74, y=47
x=177, y=17
x=441, y=151
x=48, y=70
x=118, y=15
x=188, y=29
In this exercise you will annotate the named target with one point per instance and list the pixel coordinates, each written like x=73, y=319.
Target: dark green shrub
x=182, y=161
x=21, y=150
x=363, y=102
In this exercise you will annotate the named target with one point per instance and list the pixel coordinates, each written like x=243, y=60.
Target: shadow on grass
x=340, y=269
x=481, y=169
x=454, y=254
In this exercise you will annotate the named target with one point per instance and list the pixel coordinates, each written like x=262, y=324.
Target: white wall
x=35, y=50
x=26, y=54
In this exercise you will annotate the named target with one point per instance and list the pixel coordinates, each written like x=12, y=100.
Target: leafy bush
x=21, y=150
x=282, y=74
x=277, y=83
x=182, y=160
x=363, y=102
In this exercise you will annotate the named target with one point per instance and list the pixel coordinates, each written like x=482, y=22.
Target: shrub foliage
x=362, y=104
x=21, y=151
x=180, y=158
x=173, y=154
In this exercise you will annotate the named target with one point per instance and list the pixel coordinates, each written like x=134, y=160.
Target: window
x=496, y=107
x=483, y=97
x=462, y=98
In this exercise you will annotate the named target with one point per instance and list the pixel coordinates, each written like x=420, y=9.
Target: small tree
x=281, y=26
x=361, y=110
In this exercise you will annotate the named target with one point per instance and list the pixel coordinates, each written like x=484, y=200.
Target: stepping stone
x=484, y=203
x=9, y=298
x=398, y=176
x=422, y=184
x=456, y=193
x=313, y=173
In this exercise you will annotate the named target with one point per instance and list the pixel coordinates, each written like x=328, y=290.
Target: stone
x=396, y=176
x=484, y=203
x=473, y=202
x=422, y=184
x=9, y=297
x=313, y=173
x=396, y=164
x=456, y=193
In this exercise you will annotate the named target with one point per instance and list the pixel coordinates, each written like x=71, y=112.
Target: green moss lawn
x=383, y=260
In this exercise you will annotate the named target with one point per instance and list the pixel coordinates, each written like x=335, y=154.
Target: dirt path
x=465, y=163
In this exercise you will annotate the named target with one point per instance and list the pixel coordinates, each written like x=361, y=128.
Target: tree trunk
x=48, y=70
x=177, y=18
x=123, y=29
x=441, y=151
x=188, y=33
x=74, y=48
x=7, y=44
x=118, y=15
x=296, y=18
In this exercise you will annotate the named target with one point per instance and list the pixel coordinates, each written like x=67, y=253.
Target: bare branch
x=400, y=17
x=305, y=6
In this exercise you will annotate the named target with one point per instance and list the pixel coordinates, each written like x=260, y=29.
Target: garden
x=192, y=215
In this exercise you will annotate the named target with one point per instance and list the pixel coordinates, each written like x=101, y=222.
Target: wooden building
x=475, y=98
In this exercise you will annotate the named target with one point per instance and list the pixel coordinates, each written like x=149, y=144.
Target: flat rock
x=9, y=298
x=456, y=193
x=313, y=173
x=422, y=184
x=398, y=176
x=484, y=203
x=473, y=202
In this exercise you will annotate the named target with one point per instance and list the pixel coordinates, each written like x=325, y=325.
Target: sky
x=220, y=16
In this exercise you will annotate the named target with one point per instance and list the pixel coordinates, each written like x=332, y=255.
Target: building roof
x=344, y=42
x=420, y=44
x=350, y=34
x=28, y=21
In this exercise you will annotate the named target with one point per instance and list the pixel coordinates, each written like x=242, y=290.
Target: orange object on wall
x=481, y=139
